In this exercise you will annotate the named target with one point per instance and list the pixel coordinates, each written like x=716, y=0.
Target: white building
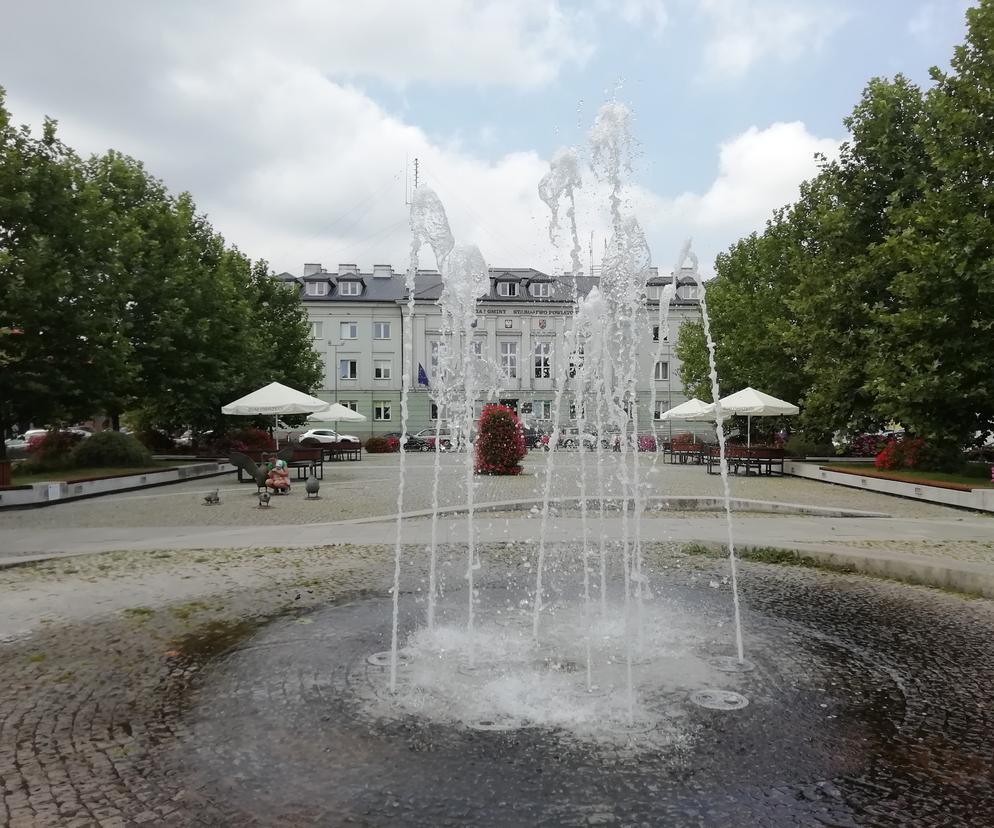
x=358, y=321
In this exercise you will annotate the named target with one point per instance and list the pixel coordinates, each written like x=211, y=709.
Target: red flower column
x=500, y=441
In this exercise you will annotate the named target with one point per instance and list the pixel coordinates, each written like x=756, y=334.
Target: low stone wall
x=981, y=500
x=50, y=493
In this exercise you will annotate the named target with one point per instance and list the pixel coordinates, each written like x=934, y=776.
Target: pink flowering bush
x=500, y=442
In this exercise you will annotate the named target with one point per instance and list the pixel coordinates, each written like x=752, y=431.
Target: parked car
x=326, y=435
x=535, y=438
x=427, y=438
x=413, y=443
x=288, y=433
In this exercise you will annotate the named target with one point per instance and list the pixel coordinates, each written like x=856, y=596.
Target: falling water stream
x=602, y=350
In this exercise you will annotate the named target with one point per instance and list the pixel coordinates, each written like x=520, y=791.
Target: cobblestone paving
x=105, y=723
x=368, y=488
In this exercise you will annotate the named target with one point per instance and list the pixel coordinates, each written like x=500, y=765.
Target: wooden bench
x=305, y=459
x=765, y=460
x=334, y=451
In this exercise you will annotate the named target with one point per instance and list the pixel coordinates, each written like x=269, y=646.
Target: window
x=350, y=330
x=381, y=410
x=317, y=330
x=661, y=406
x=526, y=408
x=477, y=346
x=542, y=290
x=507, y=289
x=316, y=288
x=433, y=350
x=381, y=369
x=381, y=330
x=662, y=371
x=543, y=352
x=348, y=369
x=655, y=334
x=572, y=411
x=349, y=288
x=654, y=292
x=433, y=411
x=351, y=404
x=543, y=409
x=509, y=358
x=690, y=291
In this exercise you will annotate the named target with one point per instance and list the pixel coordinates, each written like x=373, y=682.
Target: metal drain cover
x=382, y=659
x=496, y=724
x=730, y=664
x=719, y=699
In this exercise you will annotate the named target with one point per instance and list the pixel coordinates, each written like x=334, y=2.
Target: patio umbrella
x=334, y=413
x=693, y=409
x=753, y=403
x=274, y=399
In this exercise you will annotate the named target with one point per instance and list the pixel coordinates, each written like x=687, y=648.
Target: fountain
x=585, y=681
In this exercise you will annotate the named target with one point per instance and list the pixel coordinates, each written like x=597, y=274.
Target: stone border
x=61, y=491
x=967, y=577
x=979, y=500
x=663, y=503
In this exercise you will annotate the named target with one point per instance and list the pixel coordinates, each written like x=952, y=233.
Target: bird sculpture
x=312, y=486
x=212, y=498
x=264, y=498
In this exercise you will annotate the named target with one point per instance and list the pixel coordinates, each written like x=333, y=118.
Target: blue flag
x=422, y=376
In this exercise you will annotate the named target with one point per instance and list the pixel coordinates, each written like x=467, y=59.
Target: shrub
x=245, y=439
x=799, y=446
x=52, y=452
x=500, y=442
x=899, y=454
x=111, y=448
x=382, y=445
x=867, y=445
x=647, y=442
x=155, y=440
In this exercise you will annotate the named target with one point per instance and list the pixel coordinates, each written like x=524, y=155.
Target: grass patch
x=976, y=476
x=184, y=611
x=141, y=614
x=23, y=479
x=36, y=658
x=761, y=554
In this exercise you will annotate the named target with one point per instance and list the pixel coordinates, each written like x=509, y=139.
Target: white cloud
x=759, y=170
x=651, y=13
x=295, y=164
x=745, y=32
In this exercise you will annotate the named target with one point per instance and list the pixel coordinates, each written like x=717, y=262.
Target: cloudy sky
x=295, y=124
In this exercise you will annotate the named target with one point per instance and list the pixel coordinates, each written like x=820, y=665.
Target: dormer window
x=654, y=292
x=349, y=288
x=316, y=288
x=541, y=290
x=690, y=291
x=507, y=288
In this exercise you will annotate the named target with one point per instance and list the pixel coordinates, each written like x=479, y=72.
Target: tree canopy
x=869, y=300
x=117, y=296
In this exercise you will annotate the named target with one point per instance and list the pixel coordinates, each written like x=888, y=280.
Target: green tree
x=931, y=364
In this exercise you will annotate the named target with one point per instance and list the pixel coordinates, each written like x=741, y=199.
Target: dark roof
x=428, y=286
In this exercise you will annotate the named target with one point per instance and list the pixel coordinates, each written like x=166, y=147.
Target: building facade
x=358, y=319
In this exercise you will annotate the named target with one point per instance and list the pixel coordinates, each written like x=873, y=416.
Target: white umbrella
x=334, y=413
x=274, y=399
x=753, y=403
x=693, y=409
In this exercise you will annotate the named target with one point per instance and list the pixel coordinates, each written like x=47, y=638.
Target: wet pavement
x=869, y=704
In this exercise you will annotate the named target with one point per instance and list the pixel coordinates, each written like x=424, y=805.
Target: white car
x=326, y=435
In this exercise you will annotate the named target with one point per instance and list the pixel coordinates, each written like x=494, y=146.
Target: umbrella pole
x=748, y=430
x=276, y=420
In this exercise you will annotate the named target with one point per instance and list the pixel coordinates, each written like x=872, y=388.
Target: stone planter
x=5, y=476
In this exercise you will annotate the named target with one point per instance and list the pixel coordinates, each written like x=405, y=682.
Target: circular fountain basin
x=866, y=702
